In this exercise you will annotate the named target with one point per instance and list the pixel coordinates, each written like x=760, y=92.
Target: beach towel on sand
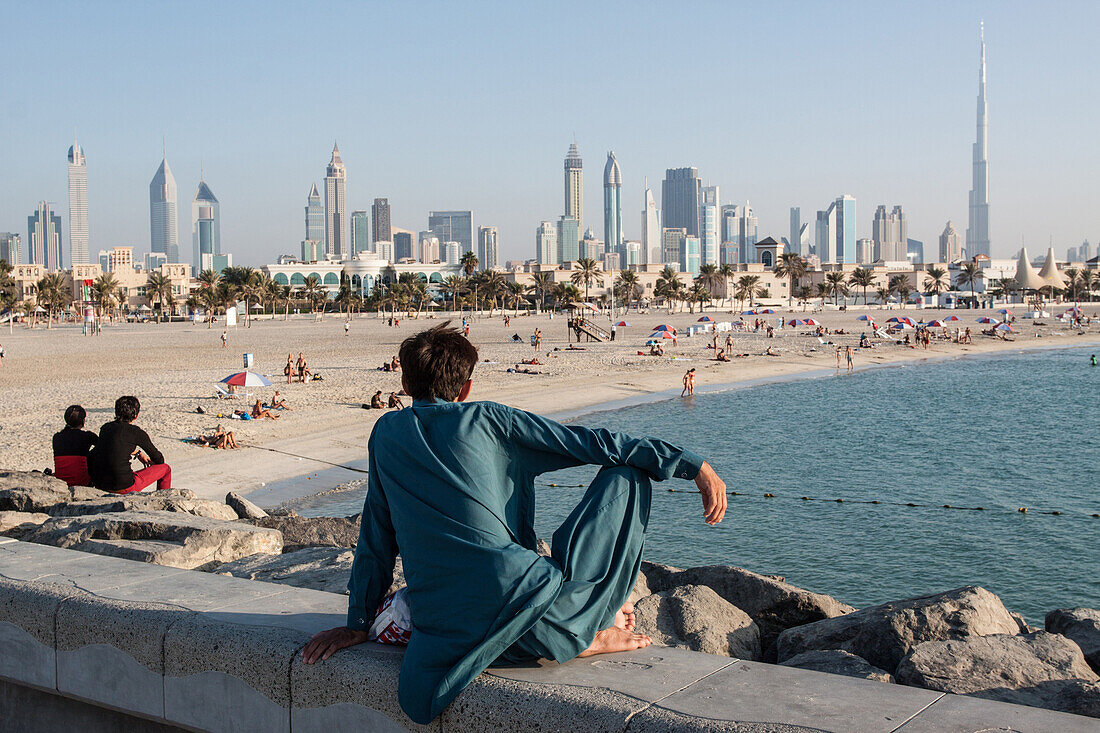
x=452, y=486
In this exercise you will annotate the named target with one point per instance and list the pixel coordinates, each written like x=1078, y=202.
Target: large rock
x=772, y=603
x=17, y=524
x=1082, y=625
x=695, y=617
x=299, y=532
x=641, y=589
x=660, y=577
x=175, y=539
x=835, y=661
x=1040, y=669
x=244, y=508
x=31, y=491
x=319, y=568
x=172, y=500
x=884, y=634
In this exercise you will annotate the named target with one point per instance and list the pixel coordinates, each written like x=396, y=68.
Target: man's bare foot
x=624, y=619
x=616, y=640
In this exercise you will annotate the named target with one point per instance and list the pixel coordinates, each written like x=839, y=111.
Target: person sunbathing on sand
x=395, y=401
x=446, y=485
x=376, y=402
x=771, y=352
x=721, y=355
x=278, y=402
x=219, y=439
x=258, y=412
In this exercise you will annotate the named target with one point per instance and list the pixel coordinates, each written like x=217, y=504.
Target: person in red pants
x=119, y=442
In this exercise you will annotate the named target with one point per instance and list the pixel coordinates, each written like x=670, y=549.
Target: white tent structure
x=1050, y=273
x=1026, y=277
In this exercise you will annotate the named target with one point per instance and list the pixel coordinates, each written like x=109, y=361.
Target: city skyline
x=1042, y=185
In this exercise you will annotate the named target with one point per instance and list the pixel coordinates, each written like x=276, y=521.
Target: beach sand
x=172, y=369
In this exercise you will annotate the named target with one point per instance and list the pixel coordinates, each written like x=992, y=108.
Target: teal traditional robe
x=451, y=488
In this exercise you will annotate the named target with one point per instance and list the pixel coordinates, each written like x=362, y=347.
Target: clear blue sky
x=472, y=105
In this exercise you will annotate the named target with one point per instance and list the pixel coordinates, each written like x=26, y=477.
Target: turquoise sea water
x=1004, y=432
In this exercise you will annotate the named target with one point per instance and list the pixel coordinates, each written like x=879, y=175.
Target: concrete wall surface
x=103, y=644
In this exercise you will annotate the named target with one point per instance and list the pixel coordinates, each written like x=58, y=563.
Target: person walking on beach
x=347, y=326
x=848, y=357
x=838, y=358
x=689, y=383
x=478, y=592
x=119, y=442
x=729, y=344
x=225, y=339
x=288, y=370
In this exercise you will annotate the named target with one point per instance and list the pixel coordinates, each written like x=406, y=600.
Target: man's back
x=109, y=462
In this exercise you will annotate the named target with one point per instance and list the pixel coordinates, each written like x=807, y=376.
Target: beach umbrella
x=934, y=324
x=1003, y=327
x=865, y=318
x=903, y=325
x=749, y=313
x=951, y=318
x=664, y=327
x=795, y=322
x=1005, y=312
x=247, y=379
x=895, y=319
x=986, y=319
x=812, y=322
x=705, y=319
x=661, y=335
x=622, y=324
x=257, y=307
x=768, y=311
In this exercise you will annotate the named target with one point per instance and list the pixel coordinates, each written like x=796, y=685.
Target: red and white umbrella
x=812, y=322
x=247, y=379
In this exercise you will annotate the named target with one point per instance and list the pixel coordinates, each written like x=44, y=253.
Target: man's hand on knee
x=326, y=643
x=713, y=490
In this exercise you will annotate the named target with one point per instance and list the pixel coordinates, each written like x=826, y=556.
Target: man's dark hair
x=437, y=362
x=74, y=416
x=127, y=408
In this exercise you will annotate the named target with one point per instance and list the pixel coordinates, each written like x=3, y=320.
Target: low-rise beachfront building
x=362, y=272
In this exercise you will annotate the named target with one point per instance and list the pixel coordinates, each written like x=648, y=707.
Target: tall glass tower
x=651, y=229
x=163, y=224
x=44, y=237
x=680, y=196
x=360, y=231
x=206, y=234
x=315, y=216
x=380, y=217
x=574, y=186
x=336, y=230
x=613, y=206
x=78, y=206
x=977, y=234
x=488, y=252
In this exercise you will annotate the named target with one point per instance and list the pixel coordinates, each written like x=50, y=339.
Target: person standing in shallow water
x=451, y=488
x=689, y=383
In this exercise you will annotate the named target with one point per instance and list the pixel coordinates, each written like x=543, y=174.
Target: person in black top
x=71, y=447
x=119, y=442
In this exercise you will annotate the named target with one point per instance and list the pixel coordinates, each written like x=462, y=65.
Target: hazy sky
x=464, y=105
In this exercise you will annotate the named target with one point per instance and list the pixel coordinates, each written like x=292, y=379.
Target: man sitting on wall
x=451, y=488
x=119, y=442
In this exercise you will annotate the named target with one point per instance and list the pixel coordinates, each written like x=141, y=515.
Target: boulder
x=299, y=532
x=1082, y=625
x=17, y=524
x=885, y=633
x=772, y=603
x=1028, y=669
x=318, y=568
x=31, y=491
x=1022, y=624
x=641, y=589
x=243, y=507
x=175, y=539
x=836, y=661
x=659, y=577
x=155, y=501
x=695, y=617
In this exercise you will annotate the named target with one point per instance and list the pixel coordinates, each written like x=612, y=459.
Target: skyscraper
x=403, y=245
x=569, y=239
x=315, y=216
x=336, y=233
x=163, y=224
x=360, y=232
x=977, y=233
x=671, y=240
x=799, y=239
x=889, y=233
x=206, y=236
x=488, y=254
x=613, y=206
x=546, y=243
x=825, y=234
x=950, y=244
x=680, y=194
x=380, y=217
x=453, y=226
x=709, y=207
x=78, y=206
x=44, y=237
x=574, y=186
x=846, y=229
x=10, y=245
x=651, y=229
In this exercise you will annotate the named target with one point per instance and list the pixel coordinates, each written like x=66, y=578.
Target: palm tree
x=700, y=294
x=803, y=295
x=52, y=295
x=668, y=286
x=453, y=286
x=541, y=282
x=587, y=271
x=158, y=288
x=837, y=286
x=105, y=292
x=793, y=267
x=565, y=293
x=9, y=301
x=469, y=263
x=970, y=274
x=883, y=294
x=515, y=291
x=710, y=278
x=311, y=290
x=209, y=280
x=1072, y=276
x=726, y=271
x=823, y=290
x=748, y=288
x=862, y=277
x=492, y=286
x=346, y=297
x=936, y=280
x=627, y=288
x=1089, y=280
x=899, y=285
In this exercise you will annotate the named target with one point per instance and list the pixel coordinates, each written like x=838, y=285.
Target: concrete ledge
x=155, y=648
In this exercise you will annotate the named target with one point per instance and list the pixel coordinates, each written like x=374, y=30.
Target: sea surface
x=998, y=432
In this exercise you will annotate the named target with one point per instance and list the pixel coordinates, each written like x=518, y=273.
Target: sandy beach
x=172, y=369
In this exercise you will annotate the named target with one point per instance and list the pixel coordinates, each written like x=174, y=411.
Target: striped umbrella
x=768, y=311
x=664, y=327
x=812, y=322
x=795, y=322
x=987, y=319
x=247, y=379
x=662, y=335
